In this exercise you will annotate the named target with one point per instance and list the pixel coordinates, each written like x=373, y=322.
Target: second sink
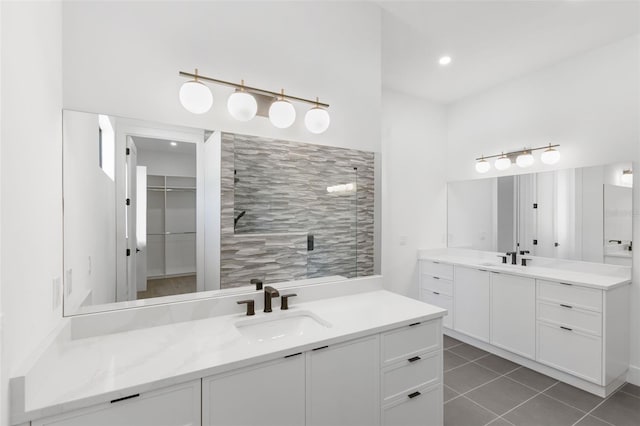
x=281, y=325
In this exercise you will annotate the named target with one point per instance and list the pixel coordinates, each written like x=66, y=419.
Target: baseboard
x=633, y=376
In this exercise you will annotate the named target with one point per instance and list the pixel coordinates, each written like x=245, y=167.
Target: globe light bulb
x=242, y=106
x=550, y=156
x=195, y=97
x=282, y=114
x=525, y=159
x=502, y=163
x=482, y=166
x=317, y=120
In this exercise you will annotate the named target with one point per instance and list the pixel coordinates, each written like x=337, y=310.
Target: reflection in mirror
x=578, y=214
x=153, y=210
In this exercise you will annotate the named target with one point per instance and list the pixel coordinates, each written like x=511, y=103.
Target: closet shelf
x=172, y=233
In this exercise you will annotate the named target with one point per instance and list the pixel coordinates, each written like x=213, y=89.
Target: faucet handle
x=250, y=306
x=523, y=252
x=284, y=301
x=504, y=258
x=257, y=282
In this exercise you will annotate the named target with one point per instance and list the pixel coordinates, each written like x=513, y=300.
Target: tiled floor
x=484, y=389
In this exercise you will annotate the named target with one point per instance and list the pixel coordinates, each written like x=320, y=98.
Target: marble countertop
x=82, y=372
x=586, y=274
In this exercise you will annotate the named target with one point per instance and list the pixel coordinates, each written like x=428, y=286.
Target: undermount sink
x=281, y=325
x=499, y=264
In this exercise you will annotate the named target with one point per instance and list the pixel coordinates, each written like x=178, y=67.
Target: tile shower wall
x=282, y=188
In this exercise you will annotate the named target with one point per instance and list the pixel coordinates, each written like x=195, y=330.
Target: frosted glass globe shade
x=195, y=97
x=502, y=163
x=282, y=114
x=317, y=120
x=627, y=178
x=242, y=106
x=550, y=156
x=525, y=160
x=482, y=166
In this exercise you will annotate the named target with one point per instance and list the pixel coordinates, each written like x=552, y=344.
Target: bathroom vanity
x=370, y=357
x=566, y=319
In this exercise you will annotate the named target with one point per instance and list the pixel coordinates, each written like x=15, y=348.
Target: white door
x=131, y=218
x=513, y=314
x=271, y=393
x=343, y=384
x=471, y=299
x=141, y=228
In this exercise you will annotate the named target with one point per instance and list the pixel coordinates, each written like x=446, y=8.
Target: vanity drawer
x=420, y=370
x=439, y=285
x=405, y=342
x=576, y=353
x=575, y=318
x=442, y=301
x=425, y=408
x=436, y=269
x=581, y=297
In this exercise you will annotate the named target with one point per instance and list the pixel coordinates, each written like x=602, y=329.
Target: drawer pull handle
x=292, y=355
x=125, y=397
x=435, y=292
x=437, y=263
x=482, y=270
x=566, y=328
x=415, y=323
x=320, y=348
x=436, y=278
x=414, y=359
x=566, y=284
x=413, y=395
x=566, y=306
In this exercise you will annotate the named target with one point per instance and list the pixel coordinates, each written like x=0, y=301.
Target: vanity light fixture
x=248, y=101
x=502, y=163
x=195, y=97
x=281, y=113
x=627, y=177
x=242, y=105
x=523, y=158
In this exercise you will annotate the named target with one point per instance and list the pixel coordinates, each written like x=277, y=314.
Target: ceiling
x=491, y=41
x=162, y=145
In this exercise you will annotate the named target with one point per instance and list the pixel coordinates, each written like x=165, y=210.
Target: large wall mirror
x=156, y=213
x=578, y=214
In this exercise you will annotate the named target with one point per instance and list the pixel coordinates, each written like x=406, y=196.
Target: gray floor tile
x=500, y=422
x=452, y=360
x=621, y=409
x=468, y=377
x=468, y=352
x=501, y=395
x=449, y=341
x=575, y=397
x=591, y=421
x=497, y=364
x=632, y=389
x=449, y=393
x=463, y=412
x=543, y=411
x=532, y=379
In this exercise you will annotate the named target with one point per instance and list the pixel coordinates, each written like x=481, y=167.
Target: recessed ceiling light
x=444, y=60
x=174, y=143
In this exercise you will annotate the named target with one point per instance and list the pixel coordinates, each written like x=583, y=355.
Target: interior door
x=141, y=228
x=130, y=217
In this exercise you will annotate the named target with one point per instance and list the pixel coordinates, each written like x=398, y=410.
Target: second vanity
x=369, y=358
x=566, y=319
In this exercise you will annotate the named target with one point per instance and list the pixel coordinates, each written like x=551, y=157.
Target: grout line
x=630, y=394
x=593, y=409
x=532, y=388
x=527, y=400
x=457, y=366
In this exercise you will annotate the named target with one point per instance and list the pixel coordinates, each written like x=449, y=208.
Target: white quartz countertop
x=97, y=369
x=586, y=274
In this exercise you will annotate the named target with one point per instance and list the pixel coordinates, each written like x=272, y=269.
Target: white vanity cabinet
x=513, y=313
x=343, y=384
x=472, y=292
x=171, y=406
x=270, y=393
x=436, y=287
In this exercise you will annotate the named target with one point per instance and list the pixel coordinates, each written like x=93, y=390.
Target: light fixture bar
x=252, y=89
x=515, y=153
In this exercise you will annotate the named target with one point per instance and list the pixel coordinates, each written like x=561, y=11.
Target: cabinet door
x=425, y=408
x=513, y=314
x=343, y=383
x=267, y=394
x=173, y=406
x=471, y=301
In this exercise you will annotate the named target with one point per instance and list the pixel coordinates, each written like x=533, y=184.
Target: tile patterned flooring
x=483, y=389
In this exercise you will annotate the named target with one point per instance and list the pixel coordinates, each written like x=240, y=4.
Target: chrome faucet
x=269, y=293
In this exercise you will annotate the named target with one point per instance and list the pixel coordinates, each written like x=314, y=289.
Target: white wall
x=164, y=163
x=590, y=104
x=123, y=58
x=31, y=168
x=413, y=186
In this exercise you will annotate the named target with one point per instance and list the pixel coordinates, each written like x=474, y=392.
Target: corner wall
x=590, y=104
x=31, y=189
x=414, y=186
